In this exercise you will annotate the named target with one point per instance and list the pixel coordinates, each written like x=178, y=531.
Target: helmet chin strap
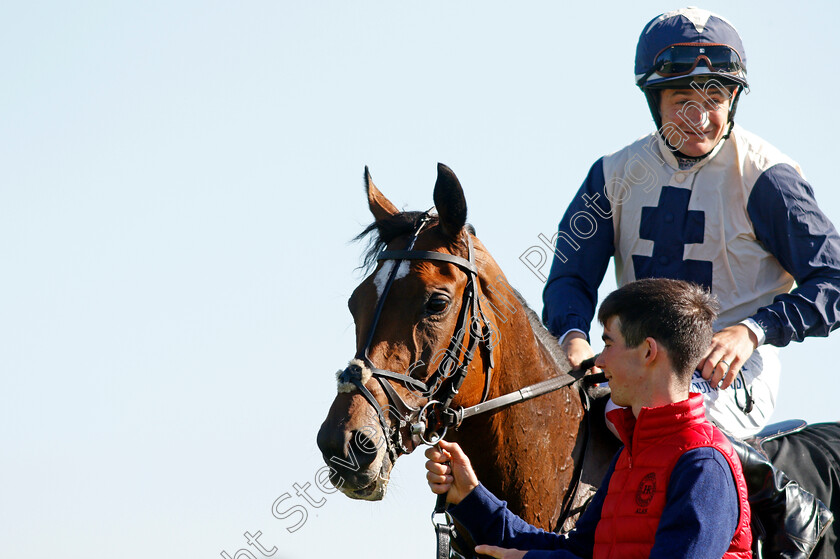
x=728, y=130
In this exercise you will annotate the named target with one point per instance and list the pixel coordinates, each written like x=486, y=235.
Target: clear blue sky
x=178, y=185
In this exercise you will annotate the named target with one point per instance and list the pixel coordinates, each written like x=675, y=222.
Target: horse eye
x=437, y=305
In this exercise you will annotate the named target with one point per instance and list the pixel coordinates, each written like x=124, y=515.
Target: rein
x=430, y=423
x=529, y=392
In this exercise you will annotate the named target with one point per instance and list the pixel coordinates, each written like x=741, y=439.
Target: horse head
x=423, y=339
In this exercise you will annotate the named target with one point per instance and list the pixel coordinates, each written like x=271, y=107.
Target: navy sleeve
x=790, y=225
x=583, y=247
x=701, y=508
x=489, y=521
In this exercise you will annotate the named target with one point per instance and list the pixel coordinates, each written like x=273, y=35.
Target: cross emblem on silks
x=671, y=226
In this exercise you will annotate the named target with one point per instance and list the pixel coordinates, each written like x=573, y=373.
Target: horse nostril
x=350, y=451
x=331, y=441
x=366, y=441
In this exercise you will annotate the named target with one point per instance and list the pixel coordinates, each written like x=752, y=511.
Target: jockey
x=702, y=199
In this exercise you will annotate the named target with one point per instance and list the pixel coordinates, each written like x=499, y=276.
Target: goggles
x=682, y=58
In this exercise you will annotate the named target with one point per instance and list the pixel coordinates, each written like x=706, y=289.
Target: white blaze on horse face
x=382, y=276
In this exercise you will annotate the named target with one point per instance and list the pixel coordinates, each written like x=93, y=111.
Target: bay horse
x=444, y=302
x=455, y=334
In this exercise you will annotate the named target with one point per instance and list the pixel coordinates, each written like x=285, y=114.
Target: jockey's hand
x=577, y=349
x=729, y=350
x=499, y=552
x=449, y=471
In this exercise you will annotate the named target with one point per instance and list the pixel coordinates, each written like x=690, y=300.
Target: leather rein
x=430, y=422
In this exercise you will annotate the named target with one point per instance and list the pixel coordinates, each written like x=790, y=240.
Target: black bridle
x=430, y=422
x=443, y=385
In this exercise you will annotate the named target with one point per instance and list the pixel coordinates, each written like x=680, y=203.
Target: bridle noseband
x=443, y=385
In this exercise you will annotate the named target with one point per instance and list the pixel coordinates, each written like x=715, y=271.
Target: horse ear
x=450, y=202
x=380, y=206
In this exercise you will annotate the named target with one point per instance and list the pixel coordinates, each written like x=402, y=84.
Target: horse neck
x=520, y=355
x=502, y=446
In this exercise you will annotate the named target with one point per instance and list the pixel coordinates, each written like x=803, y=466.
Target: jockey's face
x=694, y=121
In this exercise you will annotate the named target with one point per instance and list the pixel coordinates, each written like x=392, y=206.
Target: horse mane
x=543, y=335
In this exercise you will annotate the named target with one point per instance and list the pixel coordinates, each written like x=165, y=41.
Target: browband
x=425, y=255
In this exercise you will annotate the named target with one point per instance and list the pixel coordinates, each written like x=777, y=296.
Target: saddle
x=787, y=521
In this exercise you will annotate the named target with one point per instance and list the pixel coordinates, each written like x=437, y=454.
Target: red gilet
x=636, y=494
